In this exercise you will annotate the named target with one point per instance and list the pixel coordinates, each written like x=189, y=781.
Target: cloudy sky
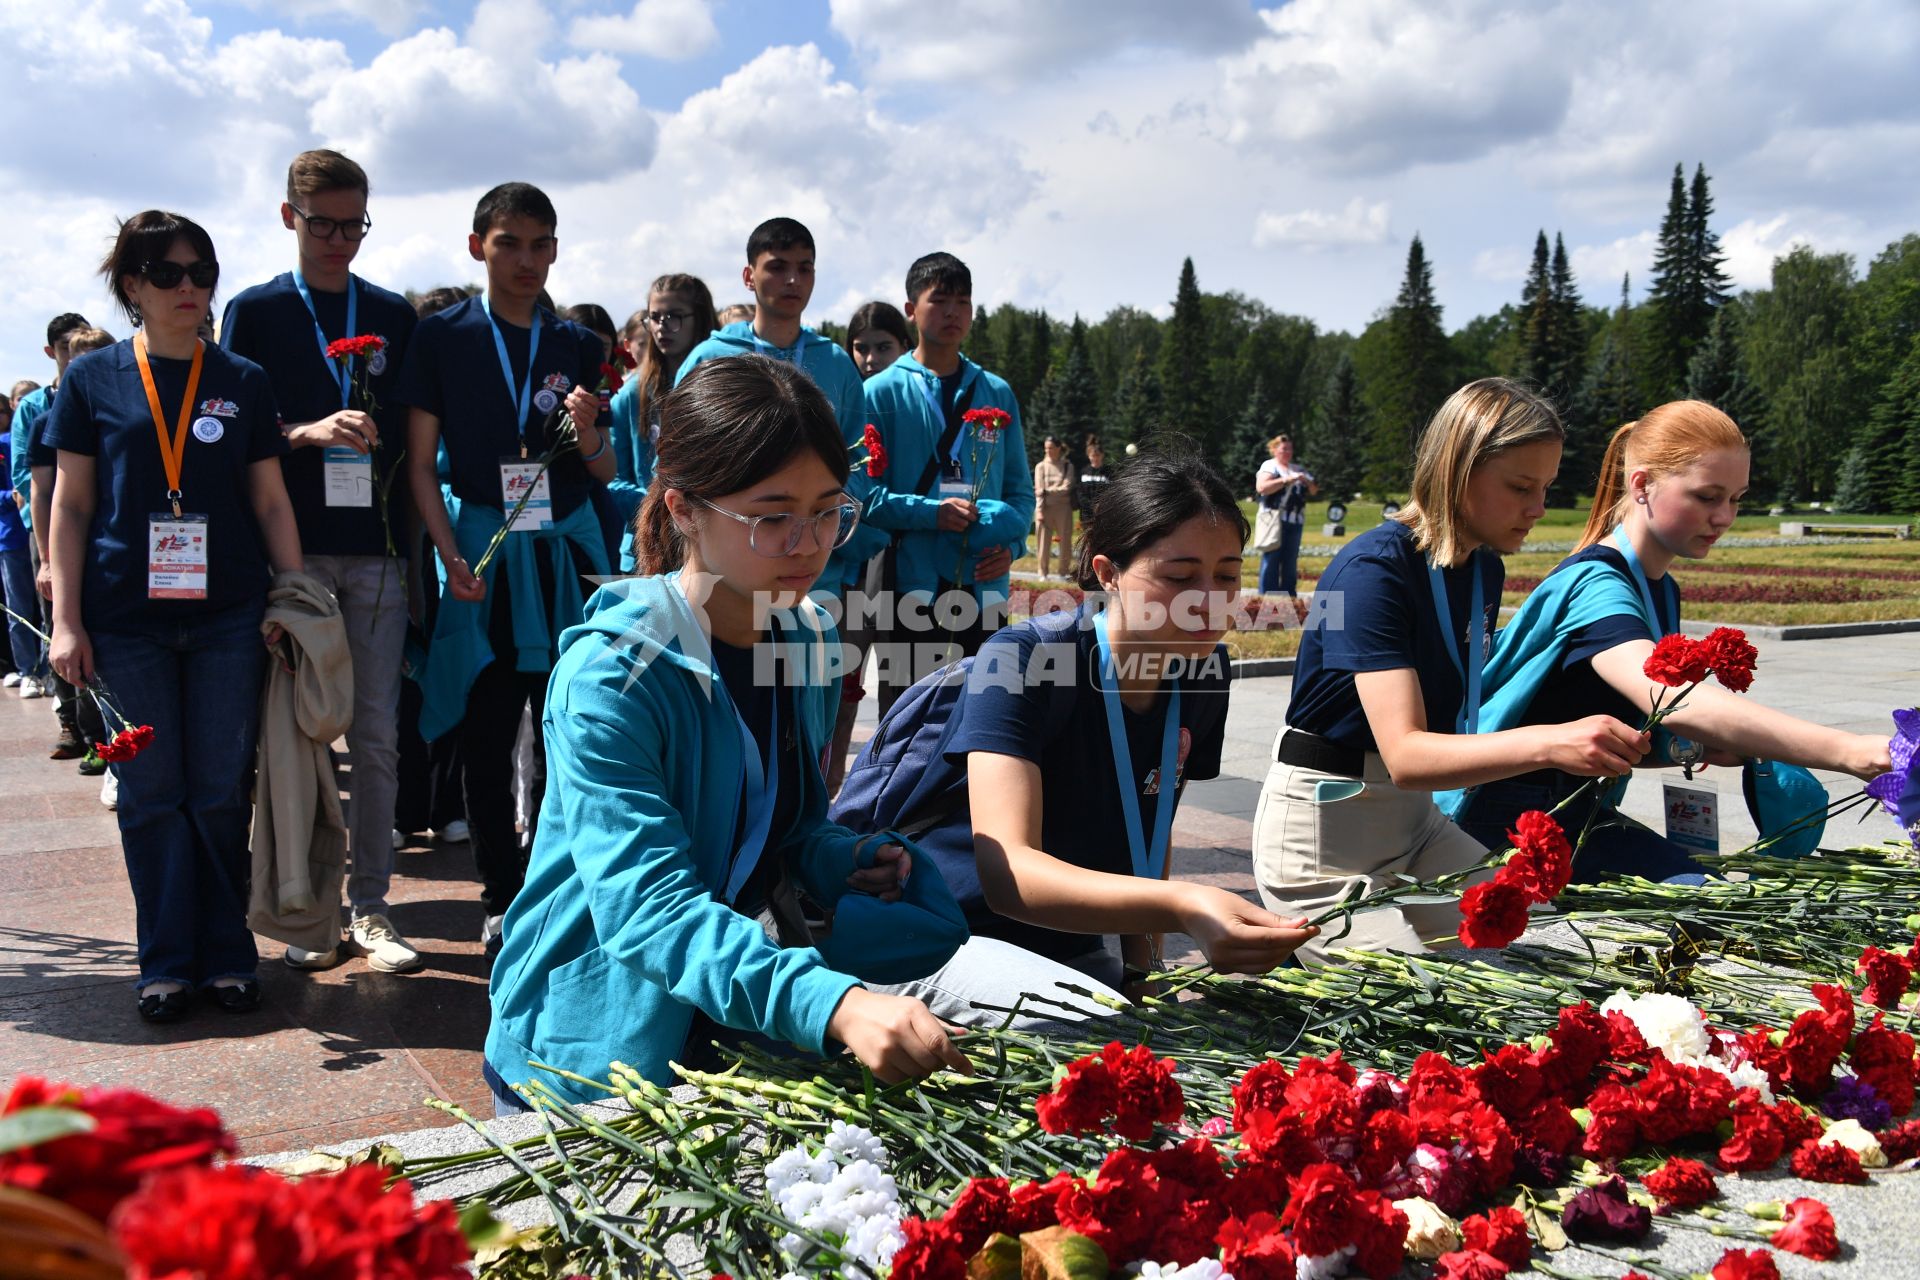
x=1073, y=151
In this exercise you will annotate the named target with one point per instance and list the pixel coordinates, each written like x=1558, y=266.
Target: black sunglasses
x=166, y=274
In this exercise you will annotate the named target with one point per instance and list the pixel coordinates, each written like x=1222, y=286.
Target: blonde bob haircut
x=1486, y=417
x=1665, y=442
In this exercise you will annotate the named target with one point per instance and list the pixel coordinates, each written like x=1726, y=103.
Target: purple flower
x=1898, y=790
x=1854, y=1099
x=1605, y=1213
x=1539, y=1167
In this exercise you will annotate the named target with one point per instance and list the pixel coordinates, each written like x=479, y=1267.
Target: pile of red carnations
x=131, y=1187
x=1324, y=1170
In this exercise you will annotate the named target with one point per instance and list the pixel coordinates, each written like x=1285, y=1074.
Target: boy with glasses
x=346, y=431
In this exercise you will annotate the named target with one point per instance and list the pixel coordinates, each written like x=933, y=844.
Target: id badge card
x=518, y=479
x=349, y=475
x=1693, y=816
x=176, y=557
x=953, y=482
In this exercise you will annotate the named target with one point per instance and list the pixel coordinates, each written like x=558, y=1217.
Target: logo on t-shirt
x=208, y=430
x=377, y=362
x=552, y=387
x=1152, y=785
x=220, y=408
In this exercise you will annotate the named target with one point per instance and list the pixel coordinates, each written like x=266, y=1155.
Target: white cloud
x=1358, y=224
x=390, y=17
x=1599, y=267
x=670, y=29
x=1005, y=43
x=1375, y=85
x=1751, y=246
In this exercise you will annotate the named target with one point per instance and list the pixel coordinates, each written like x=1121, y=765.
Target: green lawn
x=1877, y=578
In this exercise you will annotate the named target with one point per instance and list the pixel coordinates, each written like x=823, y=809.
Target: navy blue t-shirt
x=270, y=325
x=1009, y=709
x=453, y=372
x=1387, y=623
x=1576, y=690
x=754, y=700
x=102, y=412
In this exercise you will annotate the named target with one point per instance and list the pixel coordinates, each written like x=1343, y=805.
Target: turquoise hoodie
x=620, y=933
x=834, y=372
x=901, y=403
x=632, y=442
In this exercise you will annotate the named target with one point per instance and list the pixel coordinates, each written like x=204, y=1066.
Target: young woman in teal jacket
x=685, y=721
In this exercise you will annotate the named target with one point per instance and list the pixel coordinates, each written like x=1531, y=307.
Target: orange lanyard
x=173, y=453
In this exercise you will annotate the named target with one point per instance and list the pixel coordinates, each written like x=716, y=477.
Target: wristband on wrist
x=595, y=455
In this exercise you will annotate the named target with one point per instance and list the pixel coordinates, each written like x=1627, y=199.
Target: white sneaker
x=31, y=688
x=454, y=832
x=12, y=680
x=110, y=790
x=399, y=838
x=492, y=934
x=373, y=937
x=301, y=958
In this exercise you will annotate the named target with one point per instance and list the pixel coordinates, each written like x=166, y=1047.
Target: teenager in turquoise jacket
x=685, y=721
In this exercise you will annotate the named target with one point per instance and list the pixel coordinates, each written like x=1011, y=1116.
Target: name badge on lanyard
x=525, y=479
x=953, y=482
x=1693, y=816
x=349, y=476
x=1149, y=860
x=522, y=395
x=1468, y=721
x=176, y=540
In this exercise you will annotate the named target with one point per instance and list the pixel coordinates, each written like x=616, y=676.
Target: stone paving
x=351, y=1053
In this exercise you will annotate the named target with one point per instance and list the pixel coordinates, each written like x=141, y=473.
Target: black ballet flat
x=243, y=998
x=170, y=1007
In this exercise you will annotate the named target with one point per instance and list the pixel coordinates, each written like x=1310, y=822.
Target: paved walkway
x=351, y=1053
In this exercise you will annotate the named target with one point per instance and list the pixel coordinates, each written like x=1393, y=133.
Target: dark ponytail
x=1168, y=484
x=732, y=423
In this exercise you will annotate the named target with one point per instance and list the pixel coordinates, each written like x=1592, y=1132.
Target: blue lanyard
x=762, y=787
x=523, y=398
x=930, y=388
x=1672, y=593
x=1468, y=721
x=1148, y=862
x=343, y=373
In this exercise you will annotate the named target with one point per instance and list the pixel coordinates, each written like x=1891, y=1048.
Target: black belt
x=1323, y=755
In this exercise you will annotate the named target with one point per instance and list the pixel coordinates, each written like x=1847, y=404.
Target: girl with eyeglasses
x=678, y=317
x=169, y=518
x=685, y=808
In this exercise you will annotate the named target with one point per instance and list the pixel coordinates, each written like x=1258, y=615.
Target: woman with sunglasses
x=169, y=519
x=678, y=317
x=684, y=802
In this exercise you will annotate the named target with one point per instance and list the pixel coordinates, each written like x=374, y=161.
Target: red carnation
x=364, y=345
x=1746, y=1264
x=133, y=1136
x=978, y=1212
x=1677, y=661
x=125, y=744
x=1580, y=1044
x=1033, y=1206
x=876, y=451
x=1083, y=1099
x=1730, y=657
x=1605, y=1212
x=1883, y=1058
x=1469, y=1264
x=1815, y=1040
x=987, y=423
x=1542, y=861
x=235, y=1222
x=1501, y=1232
x=932, y=1252
x=1758, y=1138
x=1682, y=1184
x=1255, y=1248
x=1807, y=1231
x=1887, y=974
x=1493, y=914
x=1119, y=1210
x=1262, y=1088
x=611, y=379
x=1902, y=1142
x=1614, y=1129
x=1147, y=1092
x=1816, y=1162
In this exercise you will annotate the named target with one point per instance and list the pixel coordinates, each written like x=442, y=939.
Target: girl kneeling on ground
x=1669, y=488
x=1041, y=776
x=1386, y=691
x=685, y=806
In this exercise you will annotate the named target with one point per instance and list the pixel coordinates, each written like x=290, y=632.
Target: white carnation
x=786, y=1169
x=1668, y=1023
x=856, y=1143
x=1855, y=1138
x=1328, y=1266
x=856, y=1203
x=1745, y=1076
x=1205, y=1269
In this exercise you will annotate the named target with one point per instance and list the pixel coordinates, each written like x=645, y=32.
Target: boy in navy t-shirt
x=346, y=432
x=510, y=390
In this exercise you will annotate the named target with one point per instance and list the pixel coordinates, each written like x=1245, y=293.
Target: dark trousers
x=1280, y=567
x=185, y=801
x=499, y=696
x=1615, y=845
x=432, y=794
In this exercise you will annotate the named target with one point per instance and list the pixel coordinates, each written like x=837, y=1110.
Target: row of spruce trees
x=1821, y=369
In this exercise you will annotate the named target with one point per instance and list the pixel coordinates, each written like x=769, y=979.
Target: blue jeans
x=1280, y=567
x=1616, y=846
x=29, y=650
x=185, y=806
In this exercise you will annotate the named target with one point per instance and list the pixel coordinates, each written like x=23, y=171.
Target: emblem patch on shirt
x=219, y=408
x=377, y=362
x=1152, y=784
x=208, y=430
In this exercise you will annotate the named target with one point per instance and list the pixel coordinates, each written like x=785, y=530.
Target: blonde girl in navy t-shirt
x=169, y=519
x=1385, y=702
